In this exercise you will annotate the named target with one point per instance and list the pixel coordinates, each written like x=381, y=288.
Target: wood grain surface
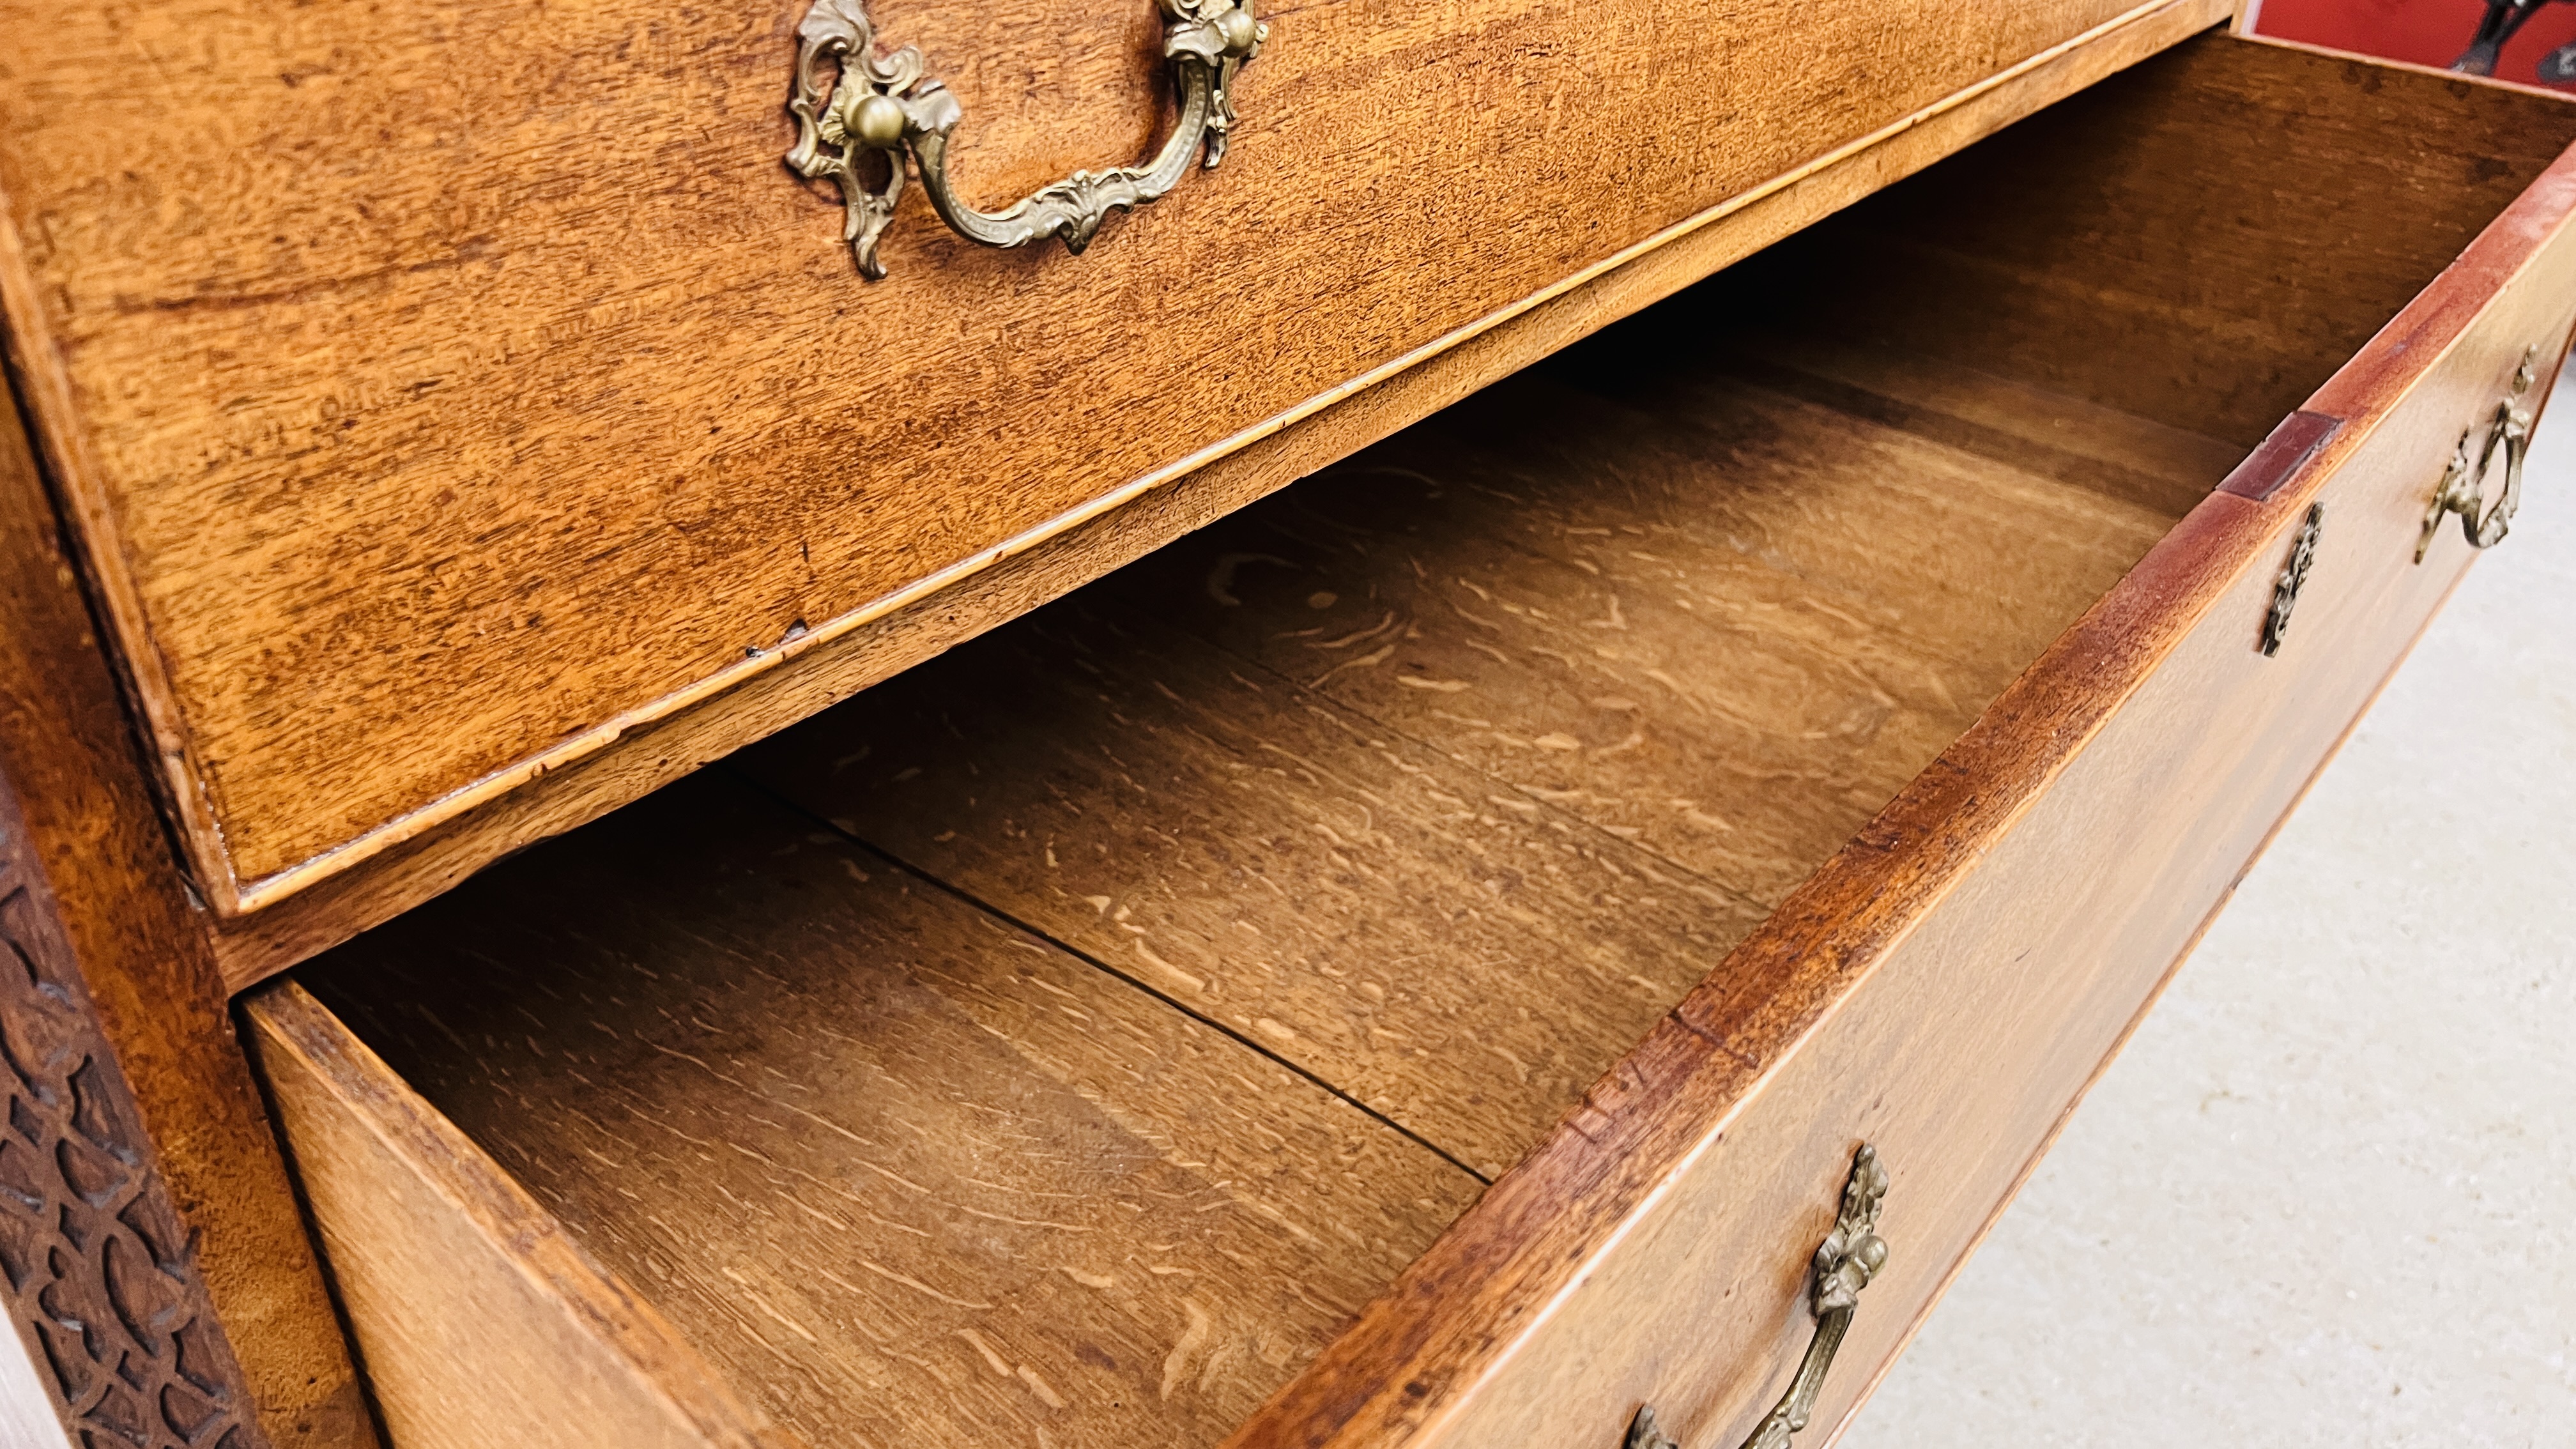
x=1459, y=957
x=632, y=1020
x=152, y=1260
x=384, y=873
x=2222, y=228
x=454, y=392
x=1957, y=973
x=480, y=1321
x=1713, y=616
x=1459, y=952
x=1482, y=749
x=901, y=1171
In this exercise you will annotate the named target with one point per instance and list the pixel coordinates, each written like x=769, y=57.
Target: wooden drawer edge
x=412, y=1214
x=271, y=924
x=1959, y=1262
x=1468, y=1306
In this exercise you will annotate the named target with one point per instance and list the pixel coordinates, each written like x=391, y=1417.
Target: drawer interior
x=1060, y=1042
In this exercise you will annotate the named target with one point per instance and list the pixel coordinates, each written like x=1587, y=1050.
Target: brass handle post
x=1844, y=1263
x=851, y=102
x=2463, y=486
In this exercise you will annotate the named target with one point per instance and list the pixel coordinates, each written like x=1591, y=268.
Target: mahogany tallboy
x=669, y=775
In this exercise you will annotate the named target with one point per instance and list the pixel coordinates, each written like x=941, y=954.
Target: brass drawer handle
x=882, y=104
x=2463, y=486
x=2292, y=578
x=1848, y=1258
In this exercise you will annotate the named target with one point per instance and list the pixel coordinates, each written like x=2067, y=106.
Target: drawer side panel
x=479, y=1322
x=1951, y=981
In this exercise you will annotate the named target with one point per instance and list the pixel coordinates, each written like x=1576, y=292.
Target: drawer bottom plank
x=1468, y=758
x=899, y=1170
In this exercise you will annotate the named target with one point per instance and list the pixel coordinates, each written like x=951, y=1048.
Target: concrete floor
x=2325, y=1197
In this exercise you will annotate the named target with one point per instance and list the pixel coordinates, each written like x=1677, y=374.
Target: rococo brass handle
x=884, y=104
x=2463, y=486
x=2293, y=577
x=1848, y=1258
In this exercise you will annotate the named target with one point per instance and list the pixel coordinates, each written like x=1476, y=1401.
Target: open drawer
x=1413, y=963
x=476, y=404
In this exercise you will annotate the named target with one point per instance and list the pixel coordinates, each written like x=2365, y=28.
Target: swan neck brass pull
x=883, y=106
x=2463, y=486
x=1848, y=1258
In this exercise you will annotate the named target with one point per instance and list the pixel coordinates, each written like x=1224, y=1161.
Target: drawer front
x=1946, y=988
x=464, y=386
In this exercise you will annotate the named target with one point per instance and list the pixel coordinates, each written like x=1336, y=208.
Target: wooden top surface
x=454, y=387
x=902, y=1172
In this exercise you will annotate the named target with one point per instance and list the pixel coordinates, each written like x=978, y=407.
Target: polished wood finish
x=455, y=395
x=1456, y=951
x=2283, y=453
x=823, y=668
x=900, y=1170
x=1252, y=908
x=153, y=1261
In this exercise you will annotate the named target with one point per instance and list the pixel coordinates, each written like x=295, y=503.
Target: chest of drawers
x=1420, y=957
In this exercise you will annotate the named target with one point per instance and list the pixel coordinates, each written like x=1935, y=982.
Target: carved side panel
x=99, y=1272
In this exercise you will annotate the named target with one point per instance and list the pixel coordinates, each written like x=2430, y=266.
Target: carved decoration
x=99, y=1270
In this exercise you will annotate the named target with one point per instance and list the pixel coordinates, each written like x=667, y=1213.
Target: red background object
x=2427, y=32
